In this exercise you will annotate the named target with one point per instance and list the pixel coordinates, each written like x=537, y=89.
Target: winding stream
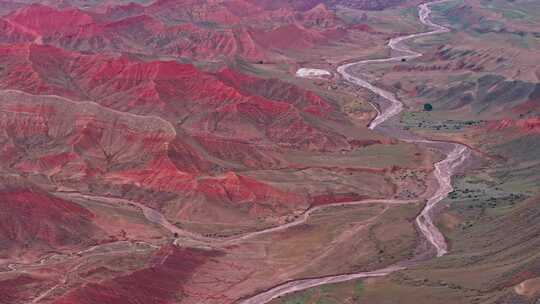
x=444, y=169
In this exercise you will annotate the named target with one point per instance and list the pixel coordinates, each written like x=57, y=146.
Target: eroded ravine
x=443, y=170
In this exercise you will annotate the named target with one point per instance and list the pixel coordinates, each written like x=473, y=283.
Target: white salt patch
x=305, y=72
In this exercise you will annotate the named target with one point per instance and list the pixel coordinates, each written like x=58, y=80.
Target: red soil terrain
x=33, y=221
x=151, y=104
x=131, y=124
x=526, y=125
x=158, y=126
x=17, y=288
x=82, y=145
x=160, y=283
x=199, y=29
x=254, y=30
x=209, y=102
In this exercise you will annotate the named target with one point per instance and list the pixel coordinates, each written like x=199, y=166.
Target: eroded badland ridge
x=251, y=151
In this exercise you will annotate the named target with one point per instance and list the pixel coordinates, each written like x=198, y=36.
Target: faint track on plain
x=188, y=238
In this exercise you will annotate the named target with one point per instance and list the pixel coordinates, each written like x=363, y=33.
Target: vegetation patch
x=426, y=121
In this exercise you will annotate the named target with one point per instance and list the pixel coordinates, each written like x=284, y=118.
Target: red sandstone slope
x=173, y=12
x=289, y=37
x=159, y=283
x=87, y=147
x=158, y=131
x=242, y=191
x=60, y=223
x=13, y=33
x=19, y=288
x=525, y=125
x=278, y=90
x=206, y=104
x=32, y=221
x=320, y=16
x=189, y=29
x=48, y=21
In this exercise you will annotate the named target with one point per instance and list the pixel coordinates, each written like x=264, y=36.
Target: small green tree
x=428, y=107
